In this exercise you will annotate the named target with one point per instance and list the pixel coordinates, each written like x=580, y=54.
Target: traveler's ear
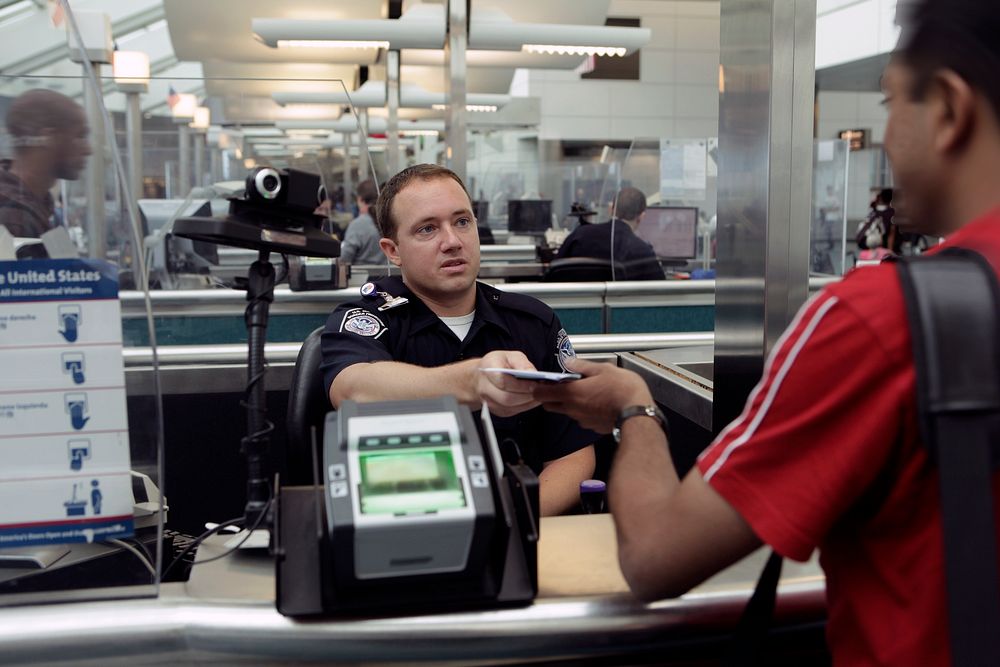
x=953, y=107
x=391, y=250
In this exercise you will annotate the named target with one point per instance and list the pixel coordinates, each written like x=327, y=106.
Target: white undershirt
x=461, y=324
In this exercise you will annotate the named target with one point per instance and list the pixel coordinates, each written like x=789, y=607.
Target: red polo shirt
x=826, y=455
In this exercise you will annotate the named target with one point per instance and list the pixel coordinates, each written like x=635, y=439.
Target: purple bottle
x=593, y=496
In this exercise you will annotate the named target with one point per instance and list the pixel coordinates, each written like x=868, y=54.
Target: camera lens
x=267, y=183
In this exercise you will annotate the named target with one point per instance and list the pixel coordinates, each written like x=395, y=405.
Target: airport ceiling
x=206, y=47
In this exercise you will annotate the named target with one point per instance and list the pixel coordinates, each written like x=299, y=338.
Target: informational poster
x=64, y=451
x=683, y=169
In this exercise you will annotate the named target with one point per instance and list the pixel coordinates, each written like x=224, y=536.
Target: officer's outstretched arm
x=560, y=480
x=394, y=380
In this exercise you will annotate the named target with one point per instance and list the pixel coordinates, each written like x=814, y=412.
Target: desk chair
x=583, y=269
x=308, y=404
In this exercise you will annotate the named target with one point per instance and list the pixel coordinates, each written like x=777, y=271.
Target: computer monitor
x=481, y=209
x=671, y=230
x=179, y=255
x=529, y=216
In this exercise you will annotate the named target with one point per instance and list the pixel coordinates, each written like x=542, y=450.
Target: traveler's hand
x=505, y=395
x=595, y=400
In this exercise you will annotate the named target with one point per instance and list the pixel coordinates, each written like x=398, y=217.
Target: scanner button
x=479, y=480
x=338, y=471
x=371, y=442
x=338, y=489
x=414, y=439
x=476, y=462
x=394, y=440
x=436, y=437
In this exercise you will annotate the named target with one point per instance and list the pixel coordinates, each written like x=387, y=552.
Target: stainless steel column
x=198, y=141
x=764, y=187
x=348, y=188
x=455, y=134
x=215, y=163
x=392, y=131
x=363, y=145
x=97, y=237
x=183, y=159
x=133, y=141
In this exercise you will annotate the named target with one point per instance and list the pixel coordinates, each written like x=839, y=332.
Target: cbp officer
x=432, y=332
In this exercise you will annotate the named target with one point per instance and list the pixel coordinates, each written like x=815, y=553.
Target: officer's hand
x=505, y=395
x=595, y=400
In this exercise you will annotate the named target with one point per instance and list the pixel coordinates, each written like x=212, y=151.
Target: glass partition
x=81, y=438
x=660, y=197
x=86, y=437
x=828, y=239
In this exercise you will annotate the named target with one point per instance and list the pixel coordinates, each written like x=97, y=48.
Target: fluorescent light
x=422, y=26
x=131, y=70
x=202, y=119
x=418, y=133
x=186, y=104
x=468, y=107
x=562, y=50
x=330, y=44
x=492, y=29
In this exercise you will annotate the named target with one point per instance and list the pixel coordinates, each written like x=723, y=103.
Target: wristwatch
x=635, y=411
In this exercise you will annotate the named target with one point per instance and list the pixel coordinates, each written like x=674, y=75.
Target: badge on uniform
x=370, y=291
x=363, y=323
x=564, y=350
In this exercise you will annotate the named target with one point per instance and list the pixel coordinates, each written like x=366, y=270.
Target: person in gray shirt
x=360, y=245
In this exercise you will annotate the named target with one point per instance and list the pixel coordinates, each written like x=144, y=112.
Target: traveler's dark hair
x=367, y=192
x=960, y=35
x=886, y=196
x=35, y=111
x=630, y=203
x=425, y=172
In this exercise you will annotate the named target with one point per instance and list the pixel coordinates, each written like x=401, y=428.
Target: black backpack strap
x=952, y=303
x=747, y=646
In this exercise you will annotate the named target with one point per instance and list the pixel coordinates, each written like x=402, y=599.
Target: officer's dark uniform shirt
x=411, y=333
x=636, y=255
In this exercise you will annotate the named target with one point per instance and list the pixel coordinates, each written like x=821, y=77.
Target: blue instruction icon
x=76, y=406
x=75, y=506
x=79, y=451
x=73, y=364
x=70, y=318
x=95, y=496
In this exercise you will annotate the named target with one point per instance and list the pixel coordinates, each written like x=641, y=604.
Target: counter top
x=225, y=614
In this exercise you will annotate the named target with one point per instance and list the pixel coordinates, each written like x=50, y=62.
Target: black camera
x=292, y=189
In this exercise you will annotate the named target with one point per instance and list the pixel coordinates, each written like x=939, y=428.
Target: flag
x=56, y=12
x=172, y=97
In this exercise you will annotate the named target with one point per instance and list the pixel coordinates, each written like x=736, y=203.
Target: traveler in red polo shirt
x=826, y=454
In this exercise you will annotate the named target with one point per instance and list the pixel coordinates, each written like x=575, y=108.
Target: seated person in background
x=595, y=240
x=48, y=132
x=451, y=327
x=827, y=453
x=360, y=244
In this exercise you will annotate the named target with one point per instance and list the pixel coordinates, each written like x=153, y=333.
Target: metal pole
x=183, y=160
x=348, y=188
x=392, y=131
x=363, y=145
x=456, y=138
x=96, y=219
x=198, y=139
x=764, y=186
x=215, y=164
x=133, y=141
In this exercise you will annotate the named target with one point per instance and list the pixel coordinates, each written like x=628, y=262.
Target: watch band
x=639, y=410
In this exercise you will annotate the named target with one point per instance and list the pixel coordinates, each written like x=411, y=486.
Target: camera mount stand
x=255, y=230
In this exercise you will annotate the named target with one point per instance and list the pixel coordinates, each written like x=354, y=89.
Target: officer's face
x=437, y=244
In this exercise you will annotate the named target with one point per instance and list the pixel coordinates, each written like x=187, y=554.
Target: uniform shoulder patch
x=363, y=323
x=564, y=350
